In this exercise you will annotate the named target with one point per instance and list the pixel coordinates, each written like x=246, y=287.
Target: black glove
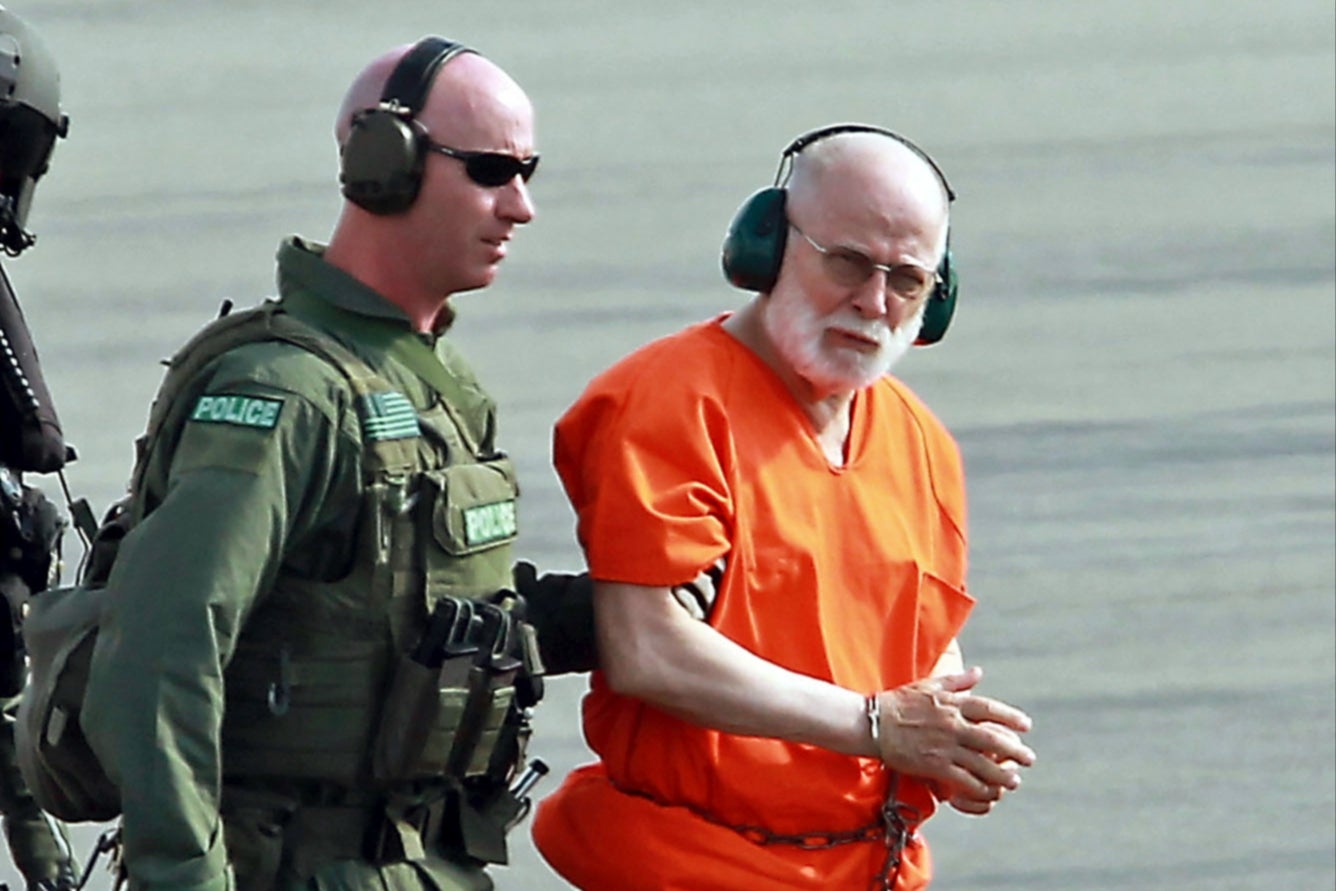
x=560, y=606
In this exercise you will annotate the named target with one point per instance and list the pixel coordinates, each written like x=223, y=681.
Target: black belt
x=380, y=830
x=390, y=834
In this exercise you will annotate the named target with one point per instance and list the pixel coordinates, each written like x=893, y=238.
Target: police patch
x=389, y=415
x=242, y=411
x=489, y=522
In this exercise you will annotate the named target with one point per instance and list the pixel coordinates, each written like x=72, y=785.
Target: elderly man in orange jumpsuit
x=789, y=720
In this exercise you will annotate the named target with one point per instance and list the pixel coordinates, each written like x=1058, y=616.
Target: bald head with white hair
x=856, y=193
x=887, y=182
x=456, y=232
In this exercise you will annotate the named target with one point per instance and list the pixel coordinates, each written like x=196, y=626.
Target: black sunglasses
x=489, y=169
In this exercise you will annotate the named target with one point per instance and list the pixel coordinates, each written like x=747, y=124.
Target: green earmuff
x=381, y=160
x=754, y=245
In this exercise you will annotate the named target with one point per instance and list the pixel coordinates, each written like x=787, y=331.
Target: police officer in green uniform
x=30, y=123
x=310, y=672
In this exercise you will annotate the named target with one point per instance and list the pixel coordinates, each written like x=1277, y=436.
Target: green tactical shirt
x=264, y=473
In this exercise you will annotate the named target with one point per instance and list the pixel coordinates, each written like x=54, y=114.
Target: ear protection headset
x=382, y=158
x=754, y=245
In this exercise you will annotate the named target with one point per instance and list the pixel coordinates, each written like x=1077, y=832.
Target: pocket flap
x=475, y=506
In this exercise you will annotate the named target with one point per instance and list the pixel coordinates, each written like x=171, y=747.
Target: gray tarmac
x=1141, y=374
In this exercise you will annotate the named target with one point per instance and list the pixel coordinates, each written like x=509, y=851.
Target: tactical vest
x=317, y=661
x=313, y=663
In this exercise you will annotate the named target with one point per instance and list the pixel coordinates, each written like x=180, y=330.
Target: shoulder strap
x=263, y=323
x=208, y=343
x=399, y=343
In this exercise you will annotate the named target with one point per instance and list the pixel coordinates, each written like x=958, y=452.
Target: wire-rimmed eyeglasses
x=850, y=268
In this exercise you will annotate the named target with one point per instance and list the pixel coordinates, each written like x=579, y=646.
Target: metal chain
x=807, y=841
x=893, y=826
x=898, y=819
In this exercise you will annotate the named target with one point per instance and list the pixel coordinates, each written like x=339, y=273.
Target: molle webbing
x=307, y=680
x=264, y=323
x=307, y=675
x=404, y=346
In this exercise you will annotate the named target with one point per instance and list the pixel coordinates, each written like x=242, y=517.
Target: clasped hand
x=967, y=746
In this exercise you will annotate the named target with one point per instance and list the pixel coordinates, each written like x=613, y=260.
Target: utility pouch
x=475, y=509
x=422, y=718
x=65, y=777
x=481, y=720
x=468, y=525
x=483, y=825
x=447, y=702
x=491, y=692
x=412, y=707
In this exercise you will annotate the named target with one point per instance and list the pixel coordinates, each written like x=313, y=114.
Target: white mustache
x=878, y=331
x=874, y=329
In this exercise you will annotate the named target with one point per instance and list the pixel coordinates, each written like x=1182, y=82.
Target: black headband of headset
x=411, y=79
x=786, y=158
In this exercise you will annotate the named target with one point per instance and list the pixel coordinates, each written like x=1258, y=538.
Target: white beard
x=797, y=332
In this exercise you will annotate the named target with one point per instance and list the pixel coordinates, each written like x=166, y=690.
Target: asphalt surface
x=1141, y=371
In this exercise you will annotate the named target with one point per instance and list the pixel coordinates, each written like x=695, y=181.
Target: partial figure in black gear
x=30, y=436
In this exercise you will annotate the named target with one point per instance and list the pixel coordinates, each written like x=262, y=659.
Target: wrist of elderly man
x=864, y=735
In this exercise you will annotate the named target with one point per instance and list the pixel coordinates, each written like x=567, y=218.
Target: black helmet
x=30, y=123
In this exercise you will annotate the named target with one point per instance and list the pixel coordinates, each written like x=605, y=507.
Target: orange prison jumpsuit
x=689, y=450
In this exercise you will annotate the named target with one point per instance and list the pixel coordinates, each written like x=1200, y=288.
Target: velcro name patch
x=389, y=415
x=241, y=411
x=489, y=522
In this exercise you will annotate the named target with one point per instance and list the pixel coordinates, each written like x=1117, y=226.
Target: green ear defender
x=755, y=241
x=380, y=165
x=754, y=244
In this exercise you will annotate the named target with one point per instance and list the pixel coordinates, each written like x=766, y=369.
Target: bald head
x=880, y=181
x=465, y=87
x=366, y=89
x=444, y=227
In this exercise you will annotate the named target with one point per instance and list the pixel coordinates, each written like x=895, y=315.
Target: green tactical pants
x=354, y=875
x=262, y=859
x=351, y=875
